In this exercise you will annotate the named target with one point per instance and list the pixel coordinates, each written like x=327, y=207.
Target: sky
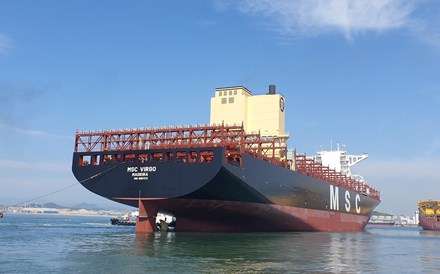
x=362, y=73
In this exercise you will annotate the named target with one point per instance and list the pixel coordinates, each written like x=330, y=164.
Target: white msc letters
x=334, y=200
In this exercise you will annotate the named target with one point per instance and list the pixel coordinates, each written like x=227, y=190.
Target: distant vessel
x=233, y=175
x=382, y=219
x=122, y=221
x=1, y=214
x=381, y=223
x=128, y=219
x=429, y=214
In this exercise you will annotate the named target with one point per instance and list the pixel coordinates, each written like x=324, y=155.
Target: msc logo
x=334, y=200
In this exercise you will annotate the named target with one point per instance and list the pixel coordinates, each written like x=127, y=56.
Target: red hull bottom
x=227, y=216
x=429, y=222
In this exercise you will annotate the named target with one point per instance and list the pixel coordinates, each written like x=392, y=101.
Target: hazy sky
x=362, y=73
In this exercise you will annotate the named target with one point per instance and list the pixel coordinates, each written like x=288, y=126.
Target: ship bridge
x=339, y=160
x=263, y=114
x=258, y=114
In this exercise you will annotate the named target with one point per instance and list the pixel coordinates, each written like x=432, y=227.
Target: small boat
x=124, y=221
x=1, y=214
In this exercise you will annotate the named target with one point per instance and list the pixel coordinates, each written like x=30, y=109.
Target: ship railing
x=233, y=137
x=308, y=166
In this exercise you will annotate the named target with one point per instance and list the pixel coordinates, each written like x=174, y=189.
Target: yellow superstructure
x=258, y=113
x=430, y=207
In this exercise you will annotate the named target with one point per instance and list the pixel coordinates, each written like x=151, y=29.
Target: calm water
x=60, y=244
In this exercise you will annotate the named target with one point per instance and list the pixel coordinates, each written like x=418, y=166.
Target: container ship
x=429, y=214
x=235, y=174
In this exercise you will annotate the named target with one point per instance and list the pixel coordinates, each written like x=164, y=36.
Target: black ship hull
x=221, y=195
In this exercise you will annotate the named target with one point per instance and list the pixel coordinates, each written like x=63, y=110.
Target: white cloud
x=46, y=166
x=402, y=182
x=436, y=142
x=5, y=44
x=349, y=17
x=417, y=168
x=34, y=132
x=426, y=31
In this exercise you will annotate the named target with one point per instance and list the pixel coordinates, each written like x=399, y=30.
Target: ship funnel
x=272, y=89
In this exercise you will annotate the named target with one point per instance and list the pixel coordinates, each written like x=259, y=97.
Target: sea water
x=72, y=244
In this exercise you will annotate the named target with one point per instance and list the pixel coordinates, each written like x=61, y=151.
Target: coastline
x=62, y=212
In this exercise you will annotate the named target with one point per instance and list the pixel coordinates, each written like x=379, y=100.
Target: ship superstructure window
x=235, y=92
x=107, y=159
x=142, y=158
x=206, y=156
x=117, y=158
x=219, y=93
x=224, y=100
x=129, y=158
x=231, y=100
x=157, y=157
x=230, y=92
x=192, y=157
x=170, y=157
x=85, y=160
x=181, y=156
x=96, y=159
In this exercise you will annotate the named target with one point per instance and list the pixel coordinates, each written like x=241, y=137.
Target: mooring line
x=72, y=185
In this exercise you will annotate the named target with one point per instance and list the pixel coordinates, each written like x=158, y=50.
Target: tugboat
x=124, y=220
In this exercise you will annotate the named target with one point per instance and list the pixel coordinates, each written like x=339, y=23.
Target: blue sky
x=361, y=73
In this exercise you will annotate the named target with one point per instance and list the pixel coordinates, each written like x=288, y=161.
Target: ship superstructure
x=231, y=175
x=263, y=114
